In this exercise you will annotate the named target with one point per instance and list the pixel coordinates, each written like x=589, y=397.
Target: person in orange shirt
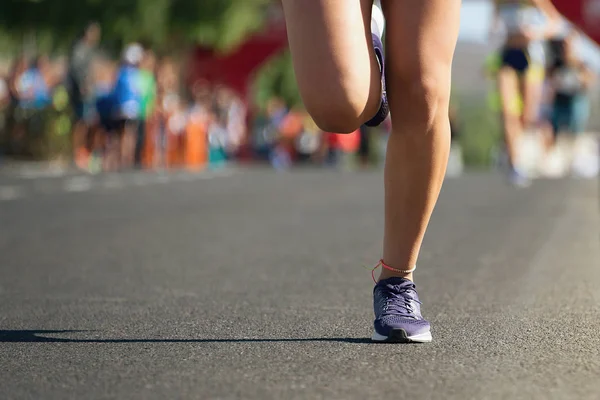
x=199, y=120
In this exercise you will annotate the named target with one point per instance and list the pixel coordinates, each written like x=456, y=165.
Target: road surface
x=250, y=285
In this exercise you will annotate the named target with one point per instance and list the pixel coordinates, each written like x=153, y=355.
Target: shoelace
x=399, y=300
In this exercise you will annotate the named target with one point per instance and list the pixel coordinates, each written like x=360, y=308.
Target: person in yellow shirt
x=520, y=74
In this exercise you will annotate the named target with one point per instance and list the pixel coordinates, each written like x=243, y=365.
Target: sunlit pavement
x=251, y=285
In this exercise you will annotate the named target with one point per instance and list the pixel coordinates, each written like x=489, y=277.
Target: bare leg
x=336, y=69
x=421, y=39
x=532, y=86
x=113, y=147
x=79, y=146
x=128, y=145
x=508, y=85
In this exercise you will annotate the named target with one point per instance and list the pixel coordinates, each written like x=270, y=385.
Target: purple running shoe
x=384, y=108
x=398, y=316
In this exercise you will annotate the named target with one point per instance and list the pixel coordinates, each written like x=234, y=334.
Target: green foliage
x=161, y=23
x=220, y=23
x=480, y=130
x=277, y=78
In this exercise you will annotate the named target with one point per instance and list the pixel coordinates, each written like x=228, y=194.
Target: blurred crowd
x=139, y=113
x=103, y=114
x=545, y=95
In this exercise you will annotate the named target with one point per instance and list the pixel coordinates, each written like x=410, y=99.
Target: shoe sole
x=400, y=336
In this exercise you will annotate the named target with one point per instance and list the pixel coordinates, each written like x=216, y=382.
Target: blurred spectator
x=32, y=97
x=268, y=133
x=4, y=102
x=167, y=101
x=338, y=144
x=33, y=86
x=15, y=125
x=79, y=86
x=309, y=139
x=126, y=110
x=236, y=123
x=100, y=114
x=202, y=101
x=571, y=78
x=289, y=130
x=217, y=140
x=132, y=113
x=200, y=117
x=148, y=100
x=176, y=129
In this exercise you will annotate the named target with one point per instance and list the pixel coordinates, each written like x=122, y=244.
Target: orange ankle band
x=385, y=266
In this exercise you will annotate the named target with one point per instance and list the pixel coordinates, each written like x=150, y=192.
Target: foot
x=398, y=316
x=384, y=108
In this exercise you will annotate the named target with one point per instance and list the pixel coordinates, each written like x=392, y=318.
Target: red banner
x=585, y=14
x=236, y=68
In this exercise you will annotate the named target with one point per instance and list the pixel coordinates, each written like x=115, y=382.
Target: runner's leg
x=336, y=67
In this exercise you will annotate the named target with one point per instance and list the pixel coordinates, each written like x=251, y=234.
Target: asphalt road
x=251, y=285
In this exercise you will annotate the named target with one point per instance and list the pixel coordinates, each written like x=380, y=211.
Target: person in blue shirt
x=126, y=99
x=33, y=87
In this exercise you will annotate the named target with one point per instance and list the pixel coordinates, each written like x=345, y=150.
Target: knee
x=334, y=112
x=335, y=117
x=420, y=98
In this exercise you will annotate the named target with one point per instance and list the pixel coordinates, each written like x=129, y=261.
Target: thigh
x=330, y=43
x=421, y=39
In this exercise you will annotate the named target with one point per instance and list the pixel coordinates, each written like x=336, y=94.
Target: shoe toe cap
x=412, y=327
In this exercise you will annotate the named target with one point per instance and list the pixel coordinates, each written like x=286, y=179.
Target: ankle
x=389, y=274
x=388, y=271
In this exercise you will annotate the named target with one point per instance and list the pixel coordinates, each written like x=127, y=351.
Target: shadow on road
x=31, y=336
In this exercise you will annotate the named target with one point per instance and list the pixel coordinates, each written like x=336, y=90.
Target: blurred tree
x=170, y=26
x=161, y=23
x=221, y=23
x=277, y=78
x=481, y=132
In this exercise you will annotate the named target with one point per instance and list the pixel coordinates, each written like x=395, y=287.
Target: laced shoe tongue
x=399, y=301
x=400, y=285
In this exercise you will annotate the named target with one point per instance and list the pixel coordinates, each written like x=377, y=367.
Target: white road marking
x=162, y=178
x=142, y=180
x=78, y=184
x=185, y=177
x=113, y=183
x=10, y=193
x=53, y=172
x=43, y=186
